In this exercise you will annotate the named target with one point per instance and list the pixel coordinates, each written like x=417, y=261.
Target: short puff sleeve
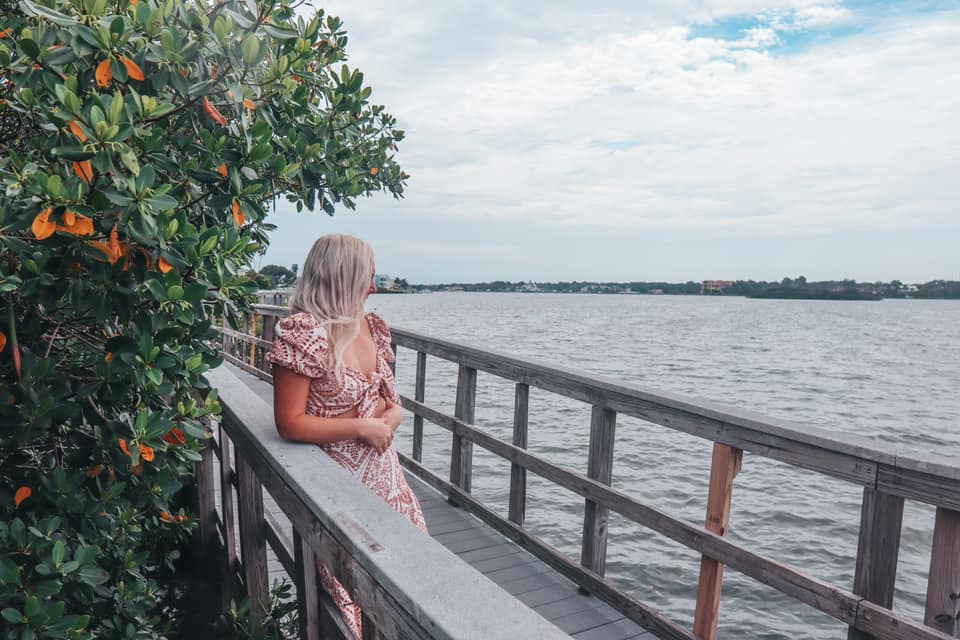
x=381, y=337
x=301, y=345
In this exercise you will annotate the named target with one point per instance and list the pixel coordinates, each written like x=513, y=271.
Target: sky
x=660, y=140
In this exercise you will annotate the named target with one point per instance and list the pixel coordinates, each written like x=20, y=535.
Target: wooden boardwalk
x=515, y=570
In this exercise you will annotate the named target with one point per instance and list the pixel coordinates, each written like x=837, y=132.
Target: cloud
x=630, y=117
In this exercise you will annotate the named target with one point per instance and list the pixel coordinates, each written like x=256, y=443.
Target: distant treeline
x=798, y=288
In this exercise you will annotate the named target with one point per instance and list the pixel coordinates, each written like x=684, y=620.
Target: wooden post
x=593, y=552
x=253, y=539
x=461, y=455
x=418, y=395
x=206, y=500
x=269, y=322
x=943, y=585
x=253, y=332
x=724, y=468
x=308, y=594
x=878, y=548
x=226, y=508
x=518, y=474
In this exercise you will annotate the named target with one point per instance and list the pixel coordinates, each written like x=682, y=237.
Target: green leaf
x=12, y=615
x=73, y=153
x=161, y=203
x=59, y=551
x=30, y=48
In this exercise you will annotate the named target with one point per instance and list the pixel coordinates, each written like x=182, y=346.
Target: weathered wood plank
x=206, y=501
x=226, y=501
x=419, y=394
x=518, y=475
x=593, y=550
x=398, y=575
x=253, y=543
x=943, y=586
x=596, y=585
x=461, y=455
x=308, y=601
x=724, y=468
x=878, y=549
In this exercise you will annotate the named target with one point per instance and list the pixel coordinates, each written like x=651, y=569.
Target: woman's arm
x=290, y=391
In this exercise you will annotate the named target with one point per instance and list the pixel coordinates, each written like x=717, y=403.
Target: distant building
x=715, y=286
x=383, y=281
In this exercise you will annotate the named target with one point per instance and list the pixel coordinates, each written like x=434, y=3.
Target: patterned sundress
x=301, y=345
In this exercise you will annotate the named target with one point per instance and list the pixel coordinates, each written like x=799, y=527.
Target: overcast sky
x=659, y=140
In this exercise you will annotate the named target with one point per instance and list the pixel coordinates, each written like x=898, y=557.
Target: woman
x=332, y=384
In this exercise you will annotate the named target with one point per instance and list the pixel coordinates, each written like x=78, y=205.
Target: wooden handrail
x=407, y=584
x=888, y=479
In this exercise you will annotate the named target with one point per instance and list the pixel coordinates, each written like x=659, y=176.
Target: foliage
x=280, y=277
x=279, y=623
x=153, y=135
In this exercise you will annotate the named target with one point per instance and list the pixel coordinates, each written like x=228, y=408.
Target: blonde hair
x=336, y=275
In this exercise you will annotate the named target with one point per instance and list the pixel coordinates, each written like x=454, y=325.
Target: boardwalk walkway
x=512, y=568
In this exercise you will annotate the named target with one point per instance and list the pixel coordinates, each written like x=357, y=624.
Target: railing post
x=252, y=331
x=418, y=395
x=878, y=548
x=518, y=474
x=724, y=468
x=461, y=455
x=253, y=539
x=206, y=499
x=226, y=510
x=269, y=322
x=308, y=595
x=943, y=585
x=603, y=425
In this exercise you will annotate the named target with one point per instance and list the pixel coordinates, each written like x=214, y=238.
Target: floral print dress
x=301, y=345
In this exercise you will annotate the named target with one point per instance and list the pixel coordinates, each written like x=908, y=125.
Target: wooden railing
x=887, y=480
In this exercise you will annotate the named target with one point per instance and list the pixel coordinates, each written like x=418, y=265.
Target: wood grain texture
x=878, y=548
x=942, y=609
x=593, y=547
x=253, y=542
x=725, y=466
x=308, y=593
x=518, y=475
x=419, y=391
x=461, y=453
x=205, y=471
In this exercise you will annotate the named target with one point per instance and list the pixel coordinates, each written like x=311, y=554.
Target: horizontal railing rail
x=407, y=584
x=888, y=479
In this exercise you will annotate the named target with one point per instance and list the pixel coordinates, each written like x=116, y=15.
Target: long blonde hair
x=332, y=287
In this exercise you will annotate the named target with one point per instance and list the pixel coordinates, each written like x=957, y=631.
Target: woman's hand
x=393, y=415
x=376, y=432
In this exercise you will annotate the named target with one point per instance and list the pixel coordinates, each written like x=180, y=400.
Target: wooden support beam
x=308, y=595
x=206, y=500
x=603, y=426
x=253, y=539
x=461, y=454
x=724, y=468
x=878, y=548
x=518, y=474
x=419, y=394
x=943, y=585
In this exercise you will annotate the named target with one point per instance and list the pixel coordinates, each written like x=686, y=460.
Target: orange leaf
x=94, y=471
x=163, y=265
x=3, y=341
x=22, y=494
x=77, y=130
x=42, y=226
x=374, y=171
x=108, y=358
x=147, y=258
x=103, y=74
x=238, y=216
x=212, y=112
x=123, y=446
x=5, y=33
x=132, y=69
x=84, y=170
x=114, y=244
x=133, y=3
x=76, y=224
x=175, y=436
x=249, y=104
x=146, y=453
x=165, y=516
x=222, y=169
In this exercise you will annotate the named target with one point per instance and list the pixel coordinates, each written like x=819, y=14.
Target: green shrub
x=142, y=144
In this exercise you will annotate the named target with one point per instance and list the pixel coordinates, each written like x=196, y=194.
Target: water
x=882, y=371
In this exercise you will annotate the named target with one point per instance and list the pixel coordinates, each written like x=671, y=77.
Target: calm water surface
x=886, y=372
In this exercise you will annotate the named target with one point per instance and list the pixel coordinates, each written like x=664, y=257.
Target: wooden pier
x=483, y=575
